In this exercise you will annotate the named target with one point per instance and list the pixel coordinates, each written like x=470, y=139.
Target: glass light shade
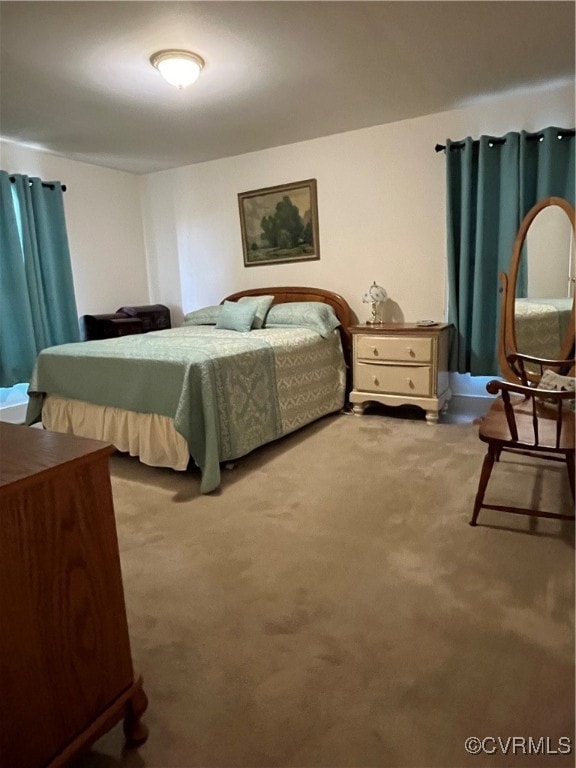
x=375, y=294
x=179, y=68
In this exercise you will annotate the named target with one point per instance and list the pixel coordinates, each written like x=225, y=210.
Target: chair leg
x=570, y=467
x=487, y=465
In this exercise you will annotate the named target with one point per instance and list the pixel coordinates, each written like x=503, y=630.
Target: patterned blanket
x=219, y=386
x=541, y=326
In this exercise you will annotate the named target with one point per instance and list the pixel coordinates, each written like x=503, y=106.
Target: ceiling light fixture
x=179, y=68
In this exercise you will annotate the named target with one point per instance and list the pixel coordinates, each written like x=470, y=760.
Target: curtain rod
x=44, y=184
x=531, y=137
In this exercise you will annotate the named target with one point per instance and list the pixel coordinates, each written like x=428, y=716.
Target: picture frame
x=279, y=224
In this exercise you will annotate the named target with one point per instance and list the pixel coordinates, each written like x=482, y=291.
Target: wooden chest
x=154, y=317
x=110, y=326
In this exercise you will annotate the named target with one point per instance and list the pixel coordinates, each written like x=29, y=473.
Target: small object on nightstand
x=426, y=323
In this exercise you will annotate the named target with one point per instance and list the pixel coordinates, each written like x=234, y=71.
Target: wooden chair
x=531, y=421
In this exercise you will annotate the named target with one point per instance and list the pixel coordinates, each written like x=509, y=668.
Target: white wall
x=104, y=224
x=381, y=209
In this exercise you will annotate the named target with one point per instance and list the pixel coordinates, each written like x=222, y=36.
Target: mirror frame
x=507, y=337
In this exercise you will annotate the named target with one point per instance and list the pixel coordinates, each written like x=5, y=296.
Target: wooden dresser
x=66, y=672
x=400, y=364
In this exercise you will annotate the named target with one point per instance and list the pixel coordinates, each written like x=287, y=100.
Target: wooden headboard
x=282, y=294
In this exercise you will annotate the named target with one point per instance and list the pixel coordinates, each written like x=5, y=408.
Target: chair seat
x=495, y=428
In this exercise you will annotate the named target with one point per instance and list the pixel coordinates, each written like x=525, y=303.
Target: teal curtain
x=37, y=303
x=491, y=184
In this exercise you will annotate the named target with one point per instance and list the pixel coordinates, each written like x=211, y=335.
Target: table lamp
x=374, y=295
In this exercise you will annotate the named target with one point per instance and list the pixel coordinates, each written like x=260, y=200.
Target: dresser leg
x=432, y=417
x=358, y=408
x=135, y=731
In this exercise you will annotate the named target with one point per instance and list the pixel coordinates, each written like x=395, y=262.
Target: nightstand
x=401, y=364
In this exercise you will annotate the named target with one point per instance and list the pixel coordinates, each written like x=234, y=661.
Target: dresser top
x=398, y=328
x=26, y=452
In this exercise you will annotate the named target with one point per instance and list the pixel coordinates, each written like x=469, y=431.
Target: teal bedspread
x=219, y=387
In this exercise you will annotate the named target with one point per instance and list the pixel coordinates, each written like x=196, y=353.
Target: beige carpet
x=331, y=606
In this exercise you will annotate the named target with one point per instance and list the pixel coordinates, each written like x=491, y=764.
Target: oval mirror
x=538, y=303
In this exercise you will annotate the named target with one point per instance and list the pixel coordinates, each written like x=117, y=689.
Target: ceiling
x=76, y=78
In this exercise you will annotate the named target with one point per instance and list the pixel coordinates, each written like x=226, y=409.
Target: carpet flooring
x=331, y=607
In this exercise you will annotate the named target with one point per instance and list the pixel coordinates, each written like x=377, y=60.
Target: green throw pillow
x=262, y=304
x=236, y=316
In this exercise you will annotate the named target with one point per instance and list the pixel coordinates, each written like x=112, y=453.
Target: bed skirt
x=150, y=437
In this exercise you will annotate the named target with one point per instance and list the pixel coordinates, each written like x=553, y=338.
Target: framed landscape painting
x=280, y=224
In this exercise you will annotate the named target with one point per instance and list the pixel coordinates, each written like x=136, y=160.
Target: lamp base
x=373, y=322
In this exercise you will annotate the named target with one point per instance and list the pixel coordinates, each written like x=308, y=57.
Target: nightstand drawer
x=393, y=379
x=405, y=348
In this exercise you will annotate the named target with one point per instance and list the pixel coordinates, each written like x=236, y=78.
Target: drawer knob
x=375, y=351
x=410, y=382
x=410, y=351
x=376, y=381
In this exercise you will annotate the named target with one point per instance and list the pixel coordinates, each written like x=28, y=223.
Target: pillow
x=204, y=316
x=262, y=304
x=315, y=315
x=236, y=316
x=554, y=382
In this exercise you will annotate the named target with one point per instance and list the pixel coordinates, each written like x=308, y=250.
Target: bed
x=541, y=325
x=262, y=364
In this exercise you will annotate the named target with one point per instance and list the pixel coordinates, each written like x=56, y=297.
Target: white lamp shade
x=375, y=294
x=179, y=68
